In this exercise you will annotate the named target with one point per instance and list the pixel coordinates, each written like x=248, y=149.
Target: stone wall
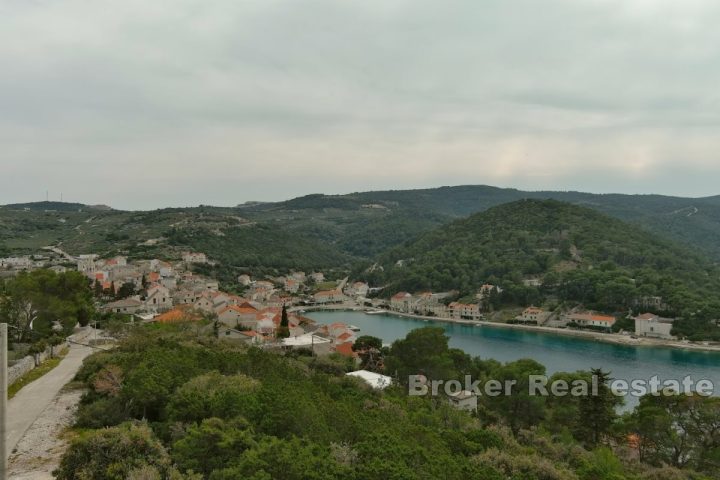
x=27, y=364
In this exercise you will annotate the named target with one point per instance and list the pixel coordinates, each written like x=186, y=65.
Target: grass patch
x=34, y=374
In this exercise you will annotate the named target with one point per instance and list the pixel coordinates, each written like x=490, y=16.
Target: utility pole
x=3, y=400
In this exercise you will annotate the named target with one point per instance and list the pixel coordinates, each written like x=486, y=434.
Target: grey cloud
x=354, y=95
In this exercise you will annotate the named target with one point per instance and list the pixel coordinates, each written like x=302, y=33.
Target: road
x=25, y=407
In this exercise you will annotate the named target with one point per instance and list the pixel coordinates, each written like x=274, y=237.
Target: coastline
x=613, y=338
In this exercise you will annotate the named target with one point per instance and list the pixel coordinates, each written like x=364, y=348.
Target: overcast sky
x=144, y=104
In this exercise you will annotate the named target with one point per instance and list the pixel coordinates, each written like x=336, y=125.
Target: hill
x=320, y=231
x=577, y=255
x=693, y=221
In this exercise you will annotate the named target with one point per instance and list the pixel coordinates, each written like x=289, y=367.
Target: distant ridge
x=56, y=206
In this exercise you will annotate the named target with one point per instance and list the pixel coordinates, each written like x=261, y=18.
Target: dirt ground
x=39, y=450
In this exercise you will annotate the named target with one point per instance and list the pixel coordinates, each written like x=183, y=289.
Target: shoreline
x=612, y=338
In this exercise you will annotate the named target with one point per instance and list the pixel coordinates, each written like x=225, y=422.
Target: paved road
x=25, y=407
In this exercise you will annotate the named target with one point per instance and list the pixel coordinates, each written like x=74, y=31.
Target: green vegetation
x=580, y=255
x=357, y=225
x=41, y=298
x=179, y=405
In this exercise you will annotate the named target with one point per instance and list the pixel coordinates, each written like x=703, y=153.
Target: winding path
x=29, y=403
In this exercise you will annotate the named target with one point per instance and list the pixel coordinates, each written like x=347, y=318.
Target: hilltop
x=542, y=250
x=321, y=231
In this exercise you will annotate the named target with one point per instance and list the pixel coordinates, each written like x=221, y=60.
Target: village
x=161, y=291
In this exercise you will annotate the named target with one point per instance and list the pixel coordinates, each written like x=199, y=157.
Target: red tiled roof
x=181, y=313
x=344, y=336
x=345, y=349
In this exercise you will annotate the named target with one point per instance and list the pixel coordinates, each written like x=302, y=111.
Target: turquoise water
x=559, y=353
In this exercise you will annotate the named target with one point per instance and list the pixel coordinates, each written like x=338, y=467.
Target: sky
x=142, y=105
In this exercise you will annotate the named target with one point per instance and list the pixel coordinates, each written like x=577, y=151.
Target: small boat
x=375, y=312
x=354, y=328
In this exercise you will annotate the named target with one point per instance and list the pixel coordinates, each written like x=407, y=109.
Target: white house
x=329, y=296
x=158, y=298
x=375, y=380
x=127, y=305
x=465, y=311
x=402, y=302
x=464, y=400
x=651, y=325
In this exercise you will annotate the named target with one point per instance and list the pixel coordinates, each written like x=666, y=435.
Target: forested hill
x=578, y=254
x=693, y=221
x=320, y=231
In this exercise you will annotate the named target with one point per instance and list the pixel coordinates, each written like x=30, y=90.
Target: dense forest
x=578, y=255
x=170, y=402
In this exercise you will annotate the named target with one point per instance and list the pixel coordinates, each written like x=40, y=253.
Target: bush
x=113, y=453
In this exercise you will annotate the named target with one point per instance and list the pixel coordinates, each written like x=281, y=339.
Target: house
x=402, y=302
x=650, y=303
x=357, y=289
x=299, y=276
x=487, y=290
x=329, y=296
x=345, y=349
x=375, y=380
x=244, y=280
x=185, y=296
x=464, y=400
x=534, y=314
x=291, y=285
x=591, y=320
x=244, y=315
x=654, y=326
x=86, y=263
x=310, y=341
x=194, y=257
x=158, y=298
x=127, y=305
x=317, y=277
x=249, y=337
x=464, y=311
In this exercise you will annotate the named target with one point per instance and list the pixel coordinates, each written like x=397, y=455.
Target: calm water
x=557, y=352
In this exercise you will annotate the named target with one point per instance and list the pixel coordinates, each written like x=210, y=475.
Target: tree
x=519, y=409
x=679, y=430
x=422, y=352
x=42, y=298
x=19, y=313
x=283, y=330
x=369, y=349
x=54, y=341
x=597, y=411
x=126, y=290
x=98, y=288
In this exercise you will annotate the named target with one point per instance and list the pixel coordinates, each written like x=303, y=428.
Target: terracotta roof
x=533, y=310
x=401, y=296
x=344, y=336
x=241, y=310
x=345, y=349
x=181, y=313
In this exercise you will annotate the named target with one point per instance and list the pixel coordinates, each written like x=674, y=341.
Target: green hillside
x=580, y=256
x=692, y=221
x=317, y=231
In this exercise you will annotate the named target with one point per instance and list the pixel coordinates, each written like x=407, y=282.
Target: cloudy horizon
x=143, y=105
